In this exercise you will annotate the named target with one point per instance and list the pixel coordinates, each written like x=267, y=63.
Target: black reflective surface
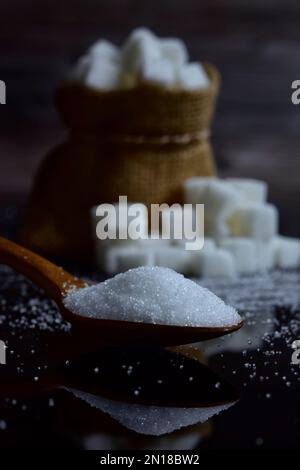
x=238, y=393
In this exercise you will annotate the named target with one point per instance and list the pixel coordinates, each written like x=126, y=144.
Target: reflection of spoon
x=150, y=391
x=157, y=377
x=56, y=282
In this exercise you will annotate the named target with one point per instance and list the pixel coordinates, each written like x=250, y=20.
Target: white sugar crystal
x=103, y=75
x=174, y=257
x=287, y=252
x=142, y=46
x=192, y=77
x=258, y=221
x=244, y=252
x=160, y=72
x=254, y=191
x=174, y=50
x=103, y=49
x=150, y=420
x=152, y=295
x=214, y=263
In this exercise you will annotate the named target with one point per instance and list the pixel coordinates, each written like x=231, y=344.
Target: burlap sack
x=142, y=143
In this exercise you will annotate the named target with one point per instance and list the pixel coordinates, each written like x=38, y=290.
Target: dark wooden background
x=255, y=44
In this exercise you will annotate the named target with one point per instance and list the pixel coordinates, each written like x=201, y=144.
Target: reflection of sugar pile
x=151, y=420
x=259, y=298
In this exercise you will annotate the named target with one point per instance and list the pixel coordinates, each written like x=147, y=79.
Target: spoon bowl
x=56, y=282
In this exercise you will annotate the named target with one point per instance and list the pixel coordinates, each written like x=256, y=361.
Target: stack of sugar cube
x=116, y=254
x=240, y=227
x=144, y=58
x=244, y=226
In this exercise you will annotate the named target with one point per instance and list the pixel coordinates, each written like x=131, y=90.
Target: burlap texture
x=146, y=163
x=143, y=111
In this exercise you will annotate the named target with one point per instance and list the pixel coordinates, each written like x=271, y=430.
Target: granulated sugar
x=152, y=295
x=25, y=307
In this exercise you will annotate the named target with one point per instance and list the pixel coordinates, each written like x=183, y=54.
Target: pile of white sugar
x=152, y=295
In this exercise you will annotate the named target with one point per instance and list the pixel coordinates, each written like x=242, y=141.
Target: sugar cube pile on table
x=143, y=58
x=240, y=234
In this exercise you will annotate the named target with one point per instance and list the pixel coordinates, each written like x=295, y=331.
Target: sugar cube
x=121, y=221
x=142, y=46
x=258, y=221
x=103, y=75
x=266, y=254
x=253, y=191
x=159, y=71
x=220, y=201
x=209, y=243
x=131, y=257
x=153, y=243
x=214, y=263
x=116, y=258
x=194, y=189
x=287, y=252
x=244, y=252
x=175, y=258
x=174, y=50
x=192, y=77
x=103, y=49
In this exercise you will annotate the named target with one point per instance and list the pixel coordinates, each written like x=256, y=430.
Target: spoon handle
x=46, y=275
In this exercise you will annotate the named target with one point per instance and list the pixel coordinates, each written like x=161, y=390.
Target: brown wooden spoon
x=56, y=282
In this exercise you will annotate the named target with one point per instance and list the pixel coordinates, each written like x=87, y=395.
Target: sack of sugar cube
x=139, y=123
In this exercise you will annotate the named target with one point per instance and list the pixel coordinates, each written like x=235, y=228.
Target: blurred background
x=255, y=45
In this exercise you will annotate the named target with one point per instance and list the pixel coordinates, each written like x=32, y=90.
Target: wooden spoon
x=56, y=282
